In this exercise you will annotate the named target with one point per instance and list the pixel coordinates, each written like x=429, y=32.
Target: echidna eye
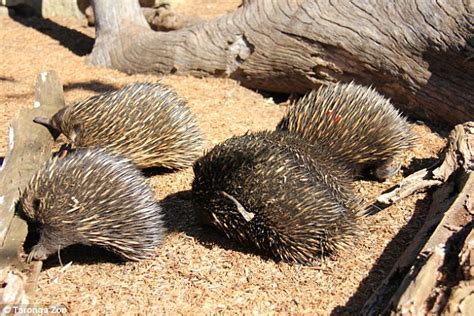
x=36, y=204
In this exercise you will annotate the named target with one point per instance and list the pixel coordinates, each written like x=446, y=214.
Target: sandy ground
x=197, y=270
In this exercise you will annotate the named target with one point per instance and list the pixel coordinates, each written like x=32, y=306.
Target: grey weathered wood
x=30, y=146
x=461, y=298
x=415, y=283
x=458, y=155
x=110, y=18
x=421, y=180
x=422, y=291
x=417, y=52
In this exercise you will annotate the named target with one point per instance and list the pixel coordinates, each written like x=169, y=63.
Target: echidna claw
x=30, y=257
x=65, y=150
x=37, y=253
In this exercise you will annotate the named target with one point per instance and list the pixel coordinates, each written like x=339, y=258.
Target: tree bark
x=458, y=155
x=29, y=147
x=416, y=52
x=435, y=274
x=114, y=19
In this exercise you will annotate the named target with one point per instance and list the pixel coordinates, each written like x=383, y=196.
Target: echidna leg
x=46, y=246
x=65, y=150
x=38, y=252
x=386, y=170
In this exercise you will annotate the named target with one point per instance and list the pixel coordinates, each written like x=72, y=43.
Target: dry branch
x=458, y=154
x=424, y=276
x=416, y=182
x=30, y=146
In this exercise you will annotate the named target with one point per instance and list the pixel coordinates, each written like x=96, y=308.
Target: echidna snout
x=386, y=169
x=52, y=124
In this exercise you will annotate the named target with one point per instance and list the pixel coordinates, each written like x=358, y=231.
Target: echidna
x=146, y=122
x=266, y=190
x=92, y=197
x=355, y=123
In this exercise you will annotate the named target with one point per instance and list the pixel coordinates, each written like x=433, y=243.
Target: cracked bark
x=415, y=52
x=435, y=273
x=29, y=147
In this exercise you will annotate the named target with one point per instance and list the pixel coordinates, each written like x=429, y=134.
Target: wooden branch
x=30, y=145
x=420, y=281
x=458, y=155
x=416, y=182
x=460, y=152
x=461, y=299
x=414, y=51
x=424, y=291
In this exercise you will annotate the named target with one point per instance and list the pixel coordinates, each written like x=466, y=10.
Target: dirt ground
x=197, y=270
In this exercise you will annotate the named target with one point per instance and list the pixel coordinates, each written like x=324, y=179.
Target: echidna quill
x=146, y=122
x=355, y=123
x=266, y=190
x=92, y=197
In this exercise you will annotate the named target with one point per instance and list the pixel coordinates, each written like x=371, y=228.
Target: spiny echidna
x=92, y=197
x=266, y=190
x=146, y=122
x=355, y=123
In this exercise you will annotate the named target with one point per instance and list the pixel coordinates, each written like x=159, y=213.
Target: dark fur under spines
x=146, y=122
x=92, y=197
x=265, y=190
x=355, y=123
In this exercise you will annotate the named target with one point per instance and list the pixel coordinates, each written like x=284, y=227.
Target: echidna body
x=146, y=122
x=265, y=190
x=355, y=123
x=92, y=197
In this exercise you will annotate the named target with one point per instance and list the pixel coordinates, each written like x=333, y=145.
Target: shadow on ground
x=9, y=79
x=92, y=85
x=386, y=261
x=77, y=42
x=395, y=247
x=156, y=171
x=81, y=255
x=180, y=216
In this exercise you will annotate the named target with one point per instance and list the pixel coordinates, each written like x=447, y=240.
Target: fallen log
x=427, y=278
x=418, y=53
x=30, y=145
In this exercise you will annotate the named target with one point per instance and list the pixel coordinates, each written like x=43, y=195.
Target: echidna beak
x=42, y=120
x=47, y=123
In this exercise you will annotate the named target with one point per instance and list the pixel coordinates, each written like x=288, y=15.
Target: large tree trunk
x=114, y=19
x=416, y=52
